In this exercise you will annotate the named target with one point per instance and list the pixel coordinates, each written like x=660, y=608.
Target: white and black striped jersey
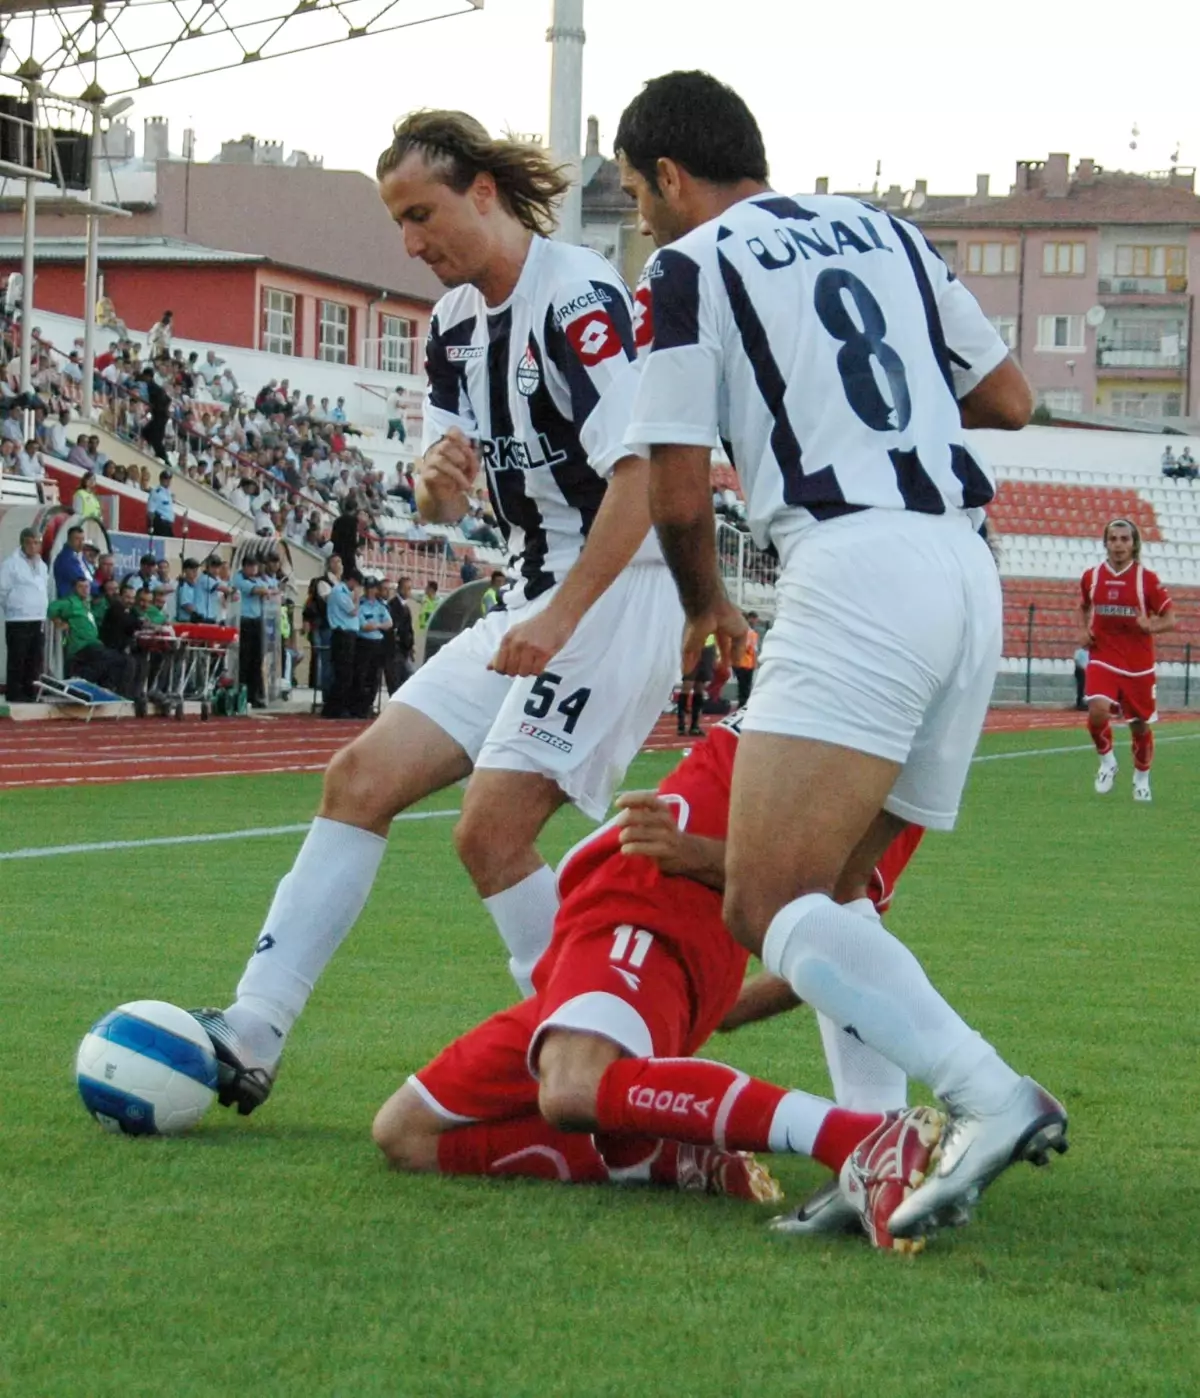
x=544, y=385
x=826, y=345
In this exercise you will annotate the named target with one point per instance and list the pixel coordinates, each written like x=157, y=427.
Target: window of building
x=992, y=259
x=1138, y=260
x=278, y=334
x=948, y=252
x=1130, y=403
x=1064, y=259
x=1060, y=333
x=333, y=333
x=1006, y=328
x=1061, y=400
x=398, y=334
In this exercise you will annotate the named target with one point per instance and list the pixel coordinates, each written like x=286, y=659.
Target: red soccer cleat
x=885, y=1168
x=735, y=1174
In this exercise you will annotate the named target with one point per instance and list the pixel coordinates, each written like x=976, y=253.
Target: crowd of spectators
x=1180, y=468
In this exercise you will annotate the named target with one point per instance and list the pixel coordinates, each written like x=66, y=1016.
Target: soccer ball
x=146, y=1069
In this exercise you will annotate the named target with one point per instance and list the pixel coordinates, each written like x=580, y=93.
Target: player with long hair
x=1123, y=607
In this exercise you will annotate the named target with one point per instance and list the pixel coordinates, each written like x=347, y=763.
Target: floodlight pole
x=91, y=282
x=566, y=38
x=30, y=220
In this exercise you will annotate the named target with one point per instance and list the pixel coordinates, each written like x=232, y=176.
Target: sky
x=933, y=91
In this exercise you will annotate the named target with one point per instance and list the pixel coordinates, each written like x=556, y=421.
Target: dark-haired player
x=833, y=353
x=1124, y=606
x=595, y=1079
x=531, y=372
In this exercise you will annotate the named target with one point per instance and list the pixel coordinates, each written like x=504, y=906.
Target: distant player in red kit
x=592, y=1079
x=1124, y=606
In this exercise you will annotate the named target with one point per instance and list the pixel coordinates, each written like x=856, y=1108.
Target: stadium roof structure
x=120, y=249
x=89, y=50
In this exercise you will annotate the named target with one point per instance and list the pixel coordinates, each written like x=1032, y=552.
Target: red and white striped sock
x=1102, y=736
x=1143, y=749
x=710, y=1104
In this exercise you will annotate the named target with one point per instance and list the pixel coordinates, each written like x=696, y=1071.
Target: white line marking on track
x=103, y=846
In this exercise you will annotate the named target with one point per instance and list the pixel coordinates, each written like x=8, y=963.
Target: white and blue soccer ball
x=147, y=1069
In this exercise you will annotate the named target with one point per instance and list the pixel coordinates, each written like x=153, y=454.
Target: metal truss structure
x=72, y=48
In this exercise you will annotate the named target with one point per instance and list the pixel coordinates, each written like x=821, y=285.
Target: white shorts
x=582, y=721
x=887, y=641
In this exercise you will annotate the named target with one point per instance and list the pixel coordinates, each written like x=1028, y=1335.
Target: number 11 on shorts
x=641, y=944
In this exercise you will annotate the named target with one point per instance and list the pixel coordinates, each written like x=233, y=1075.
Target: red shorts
x=621, y=983
x=1135, y=695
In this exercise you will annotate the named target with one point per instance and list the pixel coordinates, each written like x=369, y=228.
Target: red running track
x=103, y=751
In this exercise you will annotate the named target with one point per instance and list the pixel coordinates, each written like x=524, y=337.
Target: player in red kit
x=592, y=1079
x=1124, y=606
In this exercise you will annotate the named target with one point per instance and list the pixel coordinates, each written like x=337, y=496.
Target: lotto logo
x=673, y=1103
x=594, y=338
x=643, y=319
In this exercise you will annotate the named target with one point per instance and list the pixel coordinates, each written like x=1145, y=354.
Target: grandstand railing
x=748, y=571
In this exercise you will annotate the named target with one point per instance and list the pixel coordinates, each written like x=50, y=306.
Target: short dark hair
x=457, y=148
x=696, y=121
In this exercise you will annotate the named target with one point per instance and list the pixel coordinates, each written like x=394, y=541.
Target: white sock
x=524, y=914
x=797, y=1121
x=863, y=1080
x=314, y=907
x=853, y=970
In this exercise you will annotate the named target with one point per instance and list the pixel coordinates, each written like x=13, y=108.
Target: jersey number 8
x=859, y=347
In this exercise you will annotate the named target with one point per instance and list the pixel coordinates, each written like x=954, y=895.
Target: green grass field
x=275, y=1256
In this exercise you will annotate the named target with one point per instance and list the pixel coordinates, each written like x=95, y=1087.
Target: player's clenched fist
x=448, y=471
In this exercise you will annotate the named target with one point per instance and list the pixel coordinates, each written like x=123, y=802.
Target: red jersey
x=1114, y=602
x=601, y=886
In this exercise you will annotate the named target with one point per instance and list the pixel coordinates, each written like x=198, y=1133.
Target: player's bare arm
x=447, y=472
x=1001, y=399
x=762, y=997
x=649, y=826
x=1156, y=625
x=621, y=524
x=682, y=511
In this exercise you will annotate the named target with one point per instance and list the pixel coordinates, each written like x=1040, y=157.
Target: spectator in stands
x=55, y=434
x=467, y=571
x=374, y=622
x=1169, y=463
x=8, y=457
x=187, y=592
x=79, y=455
x=24, y=600
x=12, y=428
x=253, y=590
x=479, y=528
x=1186, y=466
x=342, y=612
x=211, y=590
x=70, y=565
x=344, y=536
x=493, y=598
x=164, y=591
x=398, y=642
x=160, y=335
x=147, y=610
x=160, y=507
x=105, y=570
x=84, y=654
x=155, y=429
x=747, y=661
x=110, y=591
x=146, y=575
x=29, y=463
x=395, y=415
x=85, y=502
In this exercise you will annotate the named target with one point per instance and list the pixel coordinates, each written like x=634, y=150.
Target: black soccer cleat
x=237, y=1084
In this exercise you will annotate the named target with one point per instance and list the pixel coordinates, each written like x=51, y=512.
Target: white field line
x=137, y=759
x=49, y=851
x=104, y=846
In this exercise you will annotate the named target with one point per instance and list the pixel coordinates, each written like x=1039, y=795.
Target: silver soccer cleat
x=1106, y=775
x=975, y=1149
x=824, y=1212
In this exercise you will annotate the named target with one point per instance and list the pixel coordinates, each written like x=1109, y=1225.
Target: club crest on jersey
x=643, y=319
x=529, y=376
x=594, y=338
